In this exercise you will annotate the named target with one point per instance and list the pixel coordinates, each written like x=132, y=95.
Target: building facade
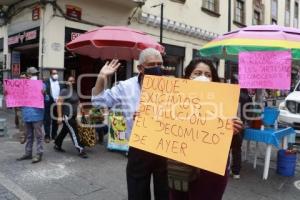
x=34, y=33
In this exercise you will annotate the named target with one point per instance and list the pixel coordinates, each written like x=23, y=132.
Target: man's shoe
x=22, y=139
x=37, y=158
x=25, y=157
x=83, y=155
x=58, y=149
x=236, y=176
x=47, y=140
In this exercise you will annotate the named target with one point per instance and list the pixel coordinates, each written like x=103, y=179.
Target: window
x=287, y=12
x=274, y=22
x=256, y=18
x=239, y=15
x=179, y=1
x=296, y=15
x=274, y=11
x=211, y=7
x=258, y=12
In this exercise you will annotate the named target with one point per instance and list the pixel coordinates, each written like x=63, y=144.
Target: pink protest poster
x=265, y=69
x=24, y=93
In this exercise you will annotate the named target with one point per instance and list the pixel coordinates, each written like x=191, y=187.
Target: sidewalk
x=5, y=194
x=102, y=176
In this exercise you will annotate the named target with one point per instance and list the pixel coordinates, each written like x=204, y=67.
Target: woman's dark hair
x=69, y=76
x=51, y=71
x=192, y=65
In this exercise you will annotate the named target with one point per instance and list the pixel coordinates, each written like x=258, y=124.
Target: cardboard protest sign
x=185, y=120
x=24, y=93
x=265, y=69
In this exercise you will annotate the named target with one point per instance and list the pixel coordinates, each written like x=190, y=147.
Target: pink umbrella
x=110, y=42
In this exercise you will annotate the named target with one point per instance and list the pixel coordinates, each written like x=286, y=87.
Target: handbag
x=117, y=132
x=86, y=133
x=180, y=175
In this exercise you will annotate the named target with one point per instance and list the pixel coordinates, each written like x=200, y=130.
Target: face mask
x=55, y=77
x=202, y=78
x=156, y=71
x=34, y=78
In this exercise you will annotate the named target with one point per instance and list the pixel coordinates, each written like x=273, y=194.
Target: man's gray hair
x=148, y=52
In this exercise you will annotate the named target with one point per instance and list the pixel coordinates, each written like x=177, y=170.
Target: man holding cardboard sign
x=177, y=119
x=141, y=165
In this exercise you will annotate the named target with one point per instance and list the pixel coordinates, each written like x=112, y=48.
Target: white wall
x=22, y=21
x=190, y=13
x=53, y=32
x=100, y=12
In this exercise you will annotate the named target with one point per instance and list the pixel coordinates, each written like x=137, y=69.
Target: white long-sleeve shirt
x=125, y=95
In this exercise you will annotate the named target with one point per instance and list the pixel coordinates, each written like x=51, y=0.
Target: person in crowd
x=52, y=92
x=141, y=165
x=245, y=103
x=19, y=115
x=17, y=111
x=207, y=185
x=67, y=106
x=33, y=118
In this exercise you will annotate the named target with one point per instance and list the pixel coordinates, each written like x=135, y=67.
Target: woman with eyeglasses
x=206, y=185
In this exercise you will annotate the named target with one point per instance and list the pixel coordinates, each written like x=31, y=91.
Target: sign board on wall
x=72, y=33
x=36, y=13
x=23, y=38
x=73, y=12
x=185, y=120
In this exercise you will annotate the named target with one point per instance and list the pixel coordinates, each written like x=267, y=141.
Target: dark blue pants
x=140, y=167
x=50, y=122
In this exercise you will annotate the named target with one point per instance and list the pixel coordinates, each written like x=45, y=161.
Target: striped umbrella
x=253, y=38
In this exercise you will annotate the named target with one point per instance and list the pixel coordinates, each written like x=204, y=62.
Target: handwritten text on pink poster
x=24, y=93
x=265, y=69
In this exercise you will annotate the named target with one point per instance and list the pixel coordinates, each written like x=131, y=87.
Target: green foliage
x=96, y=116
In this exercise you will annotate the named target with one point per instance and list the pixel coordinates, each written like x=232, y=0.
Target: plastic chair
x=270, y=135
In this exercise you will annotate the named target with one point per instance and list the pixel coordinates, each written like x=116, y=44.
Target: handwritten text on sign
x=268, y=70
x=24, y=92
x=186, y=120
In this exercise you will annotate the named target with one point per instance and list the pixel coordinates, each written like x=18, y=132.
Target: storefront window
x=172, y=65
x=173, y=60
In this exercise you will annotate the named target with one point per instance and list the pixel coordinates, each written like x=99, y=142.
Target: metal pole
x=227, y=65
x=229, y=15
x=161, y=22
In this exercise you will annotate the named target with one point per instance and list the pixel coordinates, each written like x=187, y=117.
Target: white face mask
x=202, y=78
x=55, y=77
x=34, y=78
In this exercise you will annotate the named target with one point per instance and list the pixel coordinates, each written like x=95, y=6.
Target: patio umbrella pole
x=259, y=97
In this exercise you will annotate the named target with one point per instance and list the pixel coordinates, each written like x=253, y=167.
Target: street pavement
x=65, y=176
x=6, y=194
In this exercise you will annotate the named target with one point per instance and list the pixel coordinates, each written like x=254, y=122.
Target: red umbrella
x=110, y=42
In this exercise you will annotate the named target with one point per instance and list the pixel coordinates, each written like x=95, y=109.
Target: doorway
x=28, y=56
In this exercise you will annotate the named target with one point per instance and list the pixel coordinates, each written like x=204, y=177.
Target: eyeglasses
x=152, y=64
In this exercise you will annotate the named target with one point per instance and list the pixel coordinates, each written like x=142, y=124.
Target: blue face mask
x=155, y=71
